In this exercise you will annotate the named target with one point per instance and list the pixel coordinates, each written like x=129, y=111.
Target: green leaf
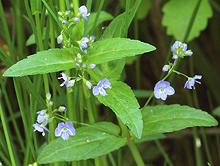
x=109, y=70
x=76, y=31
x=89, y=142
x=103, y=16
x=144, y=9
x=170, y=118
x=177, y=16
x=120, y=98
x=31, y=40
x=116, y=48
x=216, y=111
x=49, y=61
x=119, y=26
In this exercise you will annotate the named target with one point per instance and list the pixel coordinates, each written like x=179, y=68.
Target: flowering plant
x=81, y=72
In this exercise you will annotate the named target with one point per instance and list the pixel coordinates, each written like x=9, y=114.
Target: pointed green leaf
x=89, y=142
x=49, y=61
x=119, y=26
x=116, y=48
x=169, y=118
x=103, y=16
x=120, y=98
x=177, y=16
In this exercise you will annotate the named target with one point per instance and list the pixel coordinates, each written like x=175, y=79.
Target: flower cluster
x=68, y=19
x=65, y=128
x=45, y=116
x=82, y=13
x=163, y=88
x=101, y=87
x=179, y=49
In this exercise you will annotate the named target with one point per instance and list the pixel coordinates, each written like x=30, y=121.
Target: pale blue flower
x=42, y=116
x=190, y=83
x=166, y=68
x=179, y=49
x=101, y=86
x=84, y=43
x=92, y=66
x=163, y=89
x=66, y=80
x=83, y=11
x=76, y=19
x=41, y=127
x=65, y=130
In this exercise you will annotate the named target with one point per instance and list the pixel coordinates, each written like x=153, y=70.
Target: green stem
x=12, y=117
x=179, y=73
x=163, y=152
x=111, y=158
x=136, y=154
x=6, y=30
x=133, y=148
x=7, y=137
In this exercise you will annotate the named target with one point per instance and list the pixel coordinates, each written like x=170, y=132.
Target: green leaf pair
x=102, y=138
x=54, y=60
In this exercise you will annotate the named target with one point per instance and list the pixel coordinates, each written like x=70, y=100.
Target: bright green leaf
x=89, y=142
x=169, y=118
x=110, y=70
x=52, y=60
x=116, y=48
x=123, y=103
x=177, y=16
x=103, y=16
x=77, y=31
x=119, y=26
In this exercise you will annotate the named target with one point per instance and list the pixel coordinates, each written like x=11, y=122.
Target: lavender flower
x=41, y=127
x=42, y=116
x=84, y=43
x=65, y=130
x=163, y=89
x=190, y=83
x=76, y=19
x=92, y=66
x=66, y=80
x=166, y=68
x=179, y=49
x=83, y=11
x=101, y=86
